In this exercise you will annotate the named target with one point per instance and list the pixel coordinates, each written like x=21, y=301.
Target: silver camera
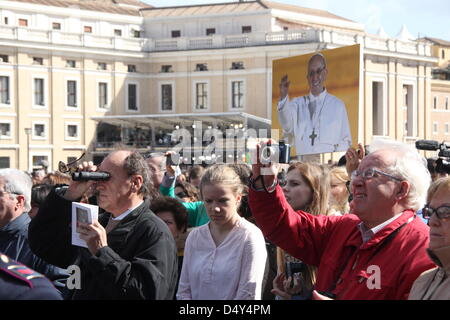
x=275, y=153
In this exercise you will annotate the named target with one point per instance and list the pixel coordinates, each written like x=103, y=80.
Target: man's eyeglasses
x=7, y=192
x=442, y=212
x=370, y=173
x=318, y=72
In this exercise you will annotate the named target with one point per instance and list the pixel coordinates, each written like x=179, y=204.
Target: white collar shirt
x=367, y=234
x=127, y=212
x=232, y=270
x=319, y=99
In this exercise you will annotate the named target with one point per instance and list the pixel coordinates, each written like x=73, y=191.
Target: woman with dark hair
x=174, y=214
x=186, y=192
x=39, y=193
x=195, y=175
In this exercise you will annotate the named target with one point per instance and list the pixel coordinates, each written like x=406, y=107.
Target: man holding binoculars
x=131, y=253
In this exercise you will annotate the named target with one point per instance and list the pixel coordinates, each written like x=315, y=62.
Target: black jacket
x=140, y=261
x=14, y=243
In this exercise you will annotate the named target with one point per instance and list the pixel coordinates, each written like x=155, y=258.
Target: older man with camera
x=131, y=253
x=375, y=253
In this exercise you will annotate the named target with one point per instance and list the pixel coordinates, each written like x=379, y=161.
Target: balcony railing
x=56, y=37
x=73, y=39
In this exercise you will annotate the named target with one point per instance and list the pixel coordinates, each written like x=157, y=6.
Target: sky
x=430, y=18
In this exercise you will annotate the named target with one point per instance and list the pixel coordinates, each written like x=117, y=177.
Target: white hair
x=409, y=165
x=17, y=182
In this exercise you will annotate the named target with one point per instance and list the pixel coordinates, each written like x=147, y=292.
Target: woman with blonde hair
x=339, y=193
x=307, y=189
x=225, y=258
x=434, y=284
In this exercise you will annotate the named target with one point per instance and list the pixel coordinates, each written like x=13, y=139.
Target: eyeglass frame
x=8, y=192
x=318, y=72
x=434, y=211
x=356, y=174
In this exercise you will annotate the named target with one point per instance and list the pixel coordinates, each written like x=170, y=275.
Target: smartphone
x=294, y=267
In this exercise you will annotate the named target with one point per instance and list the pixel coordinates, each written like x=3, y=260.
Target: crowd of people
x=373, y=226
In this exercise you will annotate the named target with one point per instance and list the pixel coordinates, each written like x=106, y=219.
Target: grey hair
x=18, y=182
x=162, y=164
x=136, y=164
x=410, y=166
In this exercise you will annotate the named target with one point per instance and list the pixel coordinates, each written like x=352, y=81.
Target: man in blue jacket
x=15, y=197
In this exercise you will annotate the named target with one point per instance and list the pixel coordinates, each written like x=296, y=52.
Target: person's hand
x=353, y=158
x=284, y=87
x=268, y=171
x=78, y=188
x=293, y=285
x=278, y=287
x=318, y=296
x=286, y=288
x=94, y=234
x=170, y=169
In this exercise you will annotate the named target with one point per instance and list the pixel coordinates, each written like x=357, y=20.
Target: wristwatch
x=269, y=189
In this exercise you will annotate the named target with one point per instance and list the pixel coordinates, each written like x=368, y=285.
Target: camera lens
x=266, y=153
x=442, y=166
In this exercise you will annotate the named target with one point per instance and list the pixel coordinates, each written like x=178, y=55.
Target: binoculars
x=85, y=176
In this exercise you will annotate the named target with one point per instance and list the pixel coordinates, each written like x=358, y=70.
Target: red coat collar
x=406, y=216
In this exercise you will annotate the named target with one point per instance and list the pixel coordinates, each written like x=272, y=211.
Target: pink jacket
x=385, y=267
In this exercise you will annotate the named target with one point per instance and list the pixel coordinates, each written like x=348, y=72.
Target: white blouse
x=233, y=270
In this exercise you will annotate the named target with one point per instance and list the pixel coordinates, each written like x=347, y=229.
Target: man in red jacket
x=375, y=253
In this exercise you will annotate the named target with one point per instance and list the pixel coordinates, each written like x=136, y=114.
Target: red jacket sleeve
x=301, y=234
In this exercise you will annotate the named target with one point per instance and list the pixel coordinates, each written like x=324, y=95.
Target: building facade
x=440, y=91
x=78, y=76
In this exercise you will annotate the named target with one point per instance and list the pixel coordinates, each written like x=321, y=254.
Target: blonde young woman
x=339, y=193
x=225, y=258
x=307, y=189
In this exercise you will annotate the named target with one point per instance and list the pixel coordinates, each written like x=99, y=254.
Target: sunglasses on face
x=441, y=212
x=181, y=194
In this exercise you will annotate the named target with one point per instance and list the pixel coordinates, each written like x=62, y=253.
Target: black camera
x=278, y=153
x=86, y=175
x=443, y=163
x=294, y=267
